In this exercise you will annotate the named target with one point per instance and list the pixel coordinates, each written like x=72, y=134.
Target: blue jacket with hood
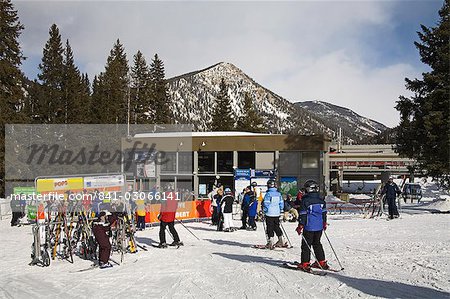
x=313, y=212
x=273, y=203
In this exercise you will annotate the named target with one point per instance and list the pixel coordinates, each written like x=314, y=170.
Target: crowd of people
x=308, y=208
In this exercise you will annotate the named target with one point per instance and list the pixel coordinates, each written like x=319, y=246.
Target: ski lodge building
x=195, y=161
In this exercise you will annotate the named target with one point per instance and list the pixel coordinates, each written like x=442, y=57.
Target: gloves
x=324, y=226
x=299, y=229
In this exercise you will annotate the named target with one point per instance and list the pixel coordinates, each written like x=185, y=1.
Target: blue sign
x=242, y=173
x=264, y=173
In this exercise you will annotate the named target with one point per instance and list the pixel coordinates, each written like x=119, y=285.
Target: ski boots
x=270, y=244
x=104, y=265
x=306, y=267
x=162, y=245
x=321, y=265
x=176, y=243
x=280, y=242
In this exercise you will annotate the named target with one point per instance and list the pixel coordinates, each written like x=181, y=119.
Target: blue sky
x=354, y=53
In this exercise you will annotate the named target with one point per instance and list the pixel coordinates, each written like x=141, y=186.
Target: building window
x=289, y=163
x=167, y=183
x=310, y=160
x=206, y=162
x=246, y=160
x=265, y=160
x=185, y=164
x=205, y=185
x=169, y=164
x=185, y=187
x=225, y=162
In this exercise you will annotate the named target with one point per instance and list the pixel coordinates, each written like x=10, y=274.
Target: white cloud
x=300, y=50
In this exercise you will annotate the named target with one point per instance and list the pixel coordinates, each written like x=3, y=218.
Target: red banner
x=186, y=210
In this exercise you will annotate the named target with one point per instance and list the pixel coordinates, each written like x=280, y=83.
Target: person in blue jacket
x=252, y=207
x=273, y=205
x=312, y=222
x=391, y=190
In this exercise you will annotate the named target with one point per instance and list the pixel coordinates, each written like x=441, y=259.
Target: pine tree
x=424, y=129
x=11, y=78
x=222, y=118
x=141, y=98
x=49, y=102
x=161, y=103
x=250, y=121
x=76, y=101
x=110, y=89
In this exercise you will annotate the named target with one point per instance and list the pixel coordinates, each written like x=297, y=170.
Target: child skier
x=312, y=221
x=101, y=229
x=252, y=208
x=273, y=207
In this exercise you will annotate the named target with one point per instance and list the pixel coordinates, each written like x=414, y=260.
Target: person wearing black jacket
x=218, y=200
x=391, y=190
x=227, y=208
x=245, y=206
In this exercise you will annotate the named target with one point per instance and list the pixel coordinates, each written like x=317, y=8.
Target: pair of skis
x=169, y=245
x=261, y=246
x=314, y=271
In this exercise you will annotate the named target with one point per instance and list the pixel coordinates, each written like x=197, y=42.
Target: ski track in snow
x=403, y=258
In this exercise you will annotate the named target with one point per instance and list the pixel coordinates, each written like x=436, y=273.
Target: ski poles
x=263, y=220
x=287, y=237
x=342, y=268
x=187, y=228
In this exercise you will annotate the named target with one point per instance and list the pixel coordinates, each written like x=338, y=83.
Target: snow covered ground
x=403, y=258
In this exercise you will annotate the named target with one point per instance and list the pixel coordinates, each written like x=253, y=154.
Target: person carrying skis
x=312, y=222
x=391, y=190
x=272, y=208
x=101, y=228
x=227, y=210
x=244, y=207
x=252, y=208
x=167, y=219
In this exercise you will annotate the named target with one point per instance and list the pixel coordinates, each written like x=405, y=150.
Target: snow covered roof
x=199, y=134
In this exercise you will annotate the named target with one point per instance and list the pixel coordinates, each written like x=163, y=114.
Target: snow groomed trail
x=402, y=258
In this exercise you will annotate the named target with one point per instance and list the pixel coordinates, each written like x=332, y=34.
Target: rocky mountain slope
x=193, y=97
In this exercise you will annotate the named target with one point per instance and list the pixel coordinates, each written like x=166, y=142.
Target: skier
x=391, y=190
x=289, y=209
x=244, y=207
x=227, y=210
x=167, y=218
x=101, y=229
x=252, y=208
x=312, y=221
x=273, y=207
